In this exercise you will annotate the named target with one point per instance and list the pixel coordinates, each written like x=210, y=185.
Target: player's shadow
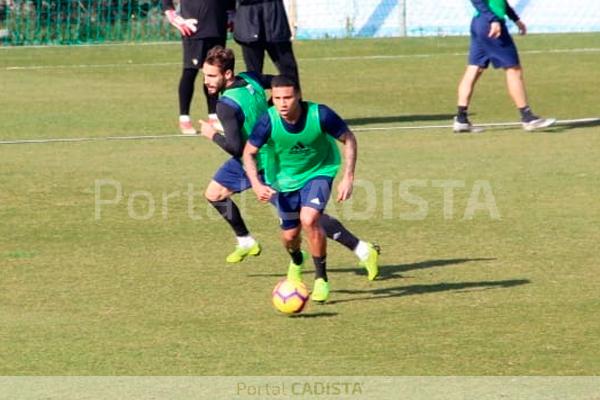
x=558, y=128
x=399, y=118
x=395, y=271
x=566, y=126
x=410, y=290
x=388, y=271
x=314, y=315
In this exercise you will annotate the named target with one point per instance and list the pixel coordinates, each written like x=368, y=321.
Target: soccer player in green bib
x=300, y=138
x=242, y=101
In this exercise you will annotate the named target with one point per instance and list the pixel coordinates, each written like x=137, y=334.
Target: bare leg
x=317, y=242
x=291, y=239
x=315, y=235
x=516, y=86
x=467, y=84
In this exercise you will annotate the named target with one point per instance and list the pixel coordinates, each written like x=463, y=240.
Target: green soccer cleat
x=295, y=271
x=320, y=291
x=370, y=263
x=240, y=253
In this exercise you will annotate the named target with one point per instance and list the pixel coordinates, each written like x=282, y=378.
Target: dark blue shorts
x=501, y=52
x=233, y=176
x=314, y=194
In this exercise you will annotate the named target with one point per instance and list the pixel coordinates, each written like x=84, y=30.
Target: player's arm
x=346, y=185
x=186, y=26
x=232, y=119
x=230, y=7
x=260, y=134
x=487, y=13
x=512, y=15
x=335, y=126
x=168, y=5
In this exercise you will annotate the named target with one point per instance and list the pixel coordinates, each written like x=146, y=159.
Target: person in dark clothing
x=203, y=25
x=262, y=26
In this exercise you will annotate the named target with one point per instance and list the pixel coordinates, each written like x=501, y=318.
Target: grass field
x=141, y=287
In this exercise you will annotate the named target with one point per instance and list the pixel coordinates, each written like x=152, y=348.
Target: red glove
x=186, y=26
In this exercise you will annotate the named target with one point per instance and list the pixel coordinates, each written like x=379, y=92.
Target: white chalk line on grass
x=178, y=43
x=341, y=58
x=580, y=121
x=429, y=55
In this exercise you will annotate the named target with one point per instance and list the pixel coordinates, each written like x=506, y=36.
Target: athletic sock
x=320, y=267
x=186, y=89
x=338, y=232
x=246, y=241
x=296, y=255
x=362, y=250
x=230, y=211
x=462, y=115
x=527, y=115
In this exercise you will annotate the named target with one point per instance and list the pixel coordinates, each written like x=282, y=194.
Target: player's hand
x=495, y=30
x=207, y=129
x=230, y=20
x=263, y=192
x=344, y=190
x=186, y=26
x=522, y=27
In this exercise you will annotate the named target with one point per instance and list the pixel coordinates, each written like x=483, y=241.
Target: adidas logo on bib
x=299, y=148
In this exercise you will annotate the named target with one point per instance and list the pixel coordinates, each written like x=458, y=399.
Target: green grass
x=511, y=296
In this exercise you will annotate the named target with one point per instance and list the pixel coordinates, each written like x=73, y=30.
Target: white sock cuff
x=246, y=241
x=362, y=250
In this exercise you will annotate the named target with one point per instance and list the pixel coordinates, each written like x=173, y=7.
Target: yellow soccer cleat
x=320, y=291
x=371, y=262
x=240, y=253
x=295, y=271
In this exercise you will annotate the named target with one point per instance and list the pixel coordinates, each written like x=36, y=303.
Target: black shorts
x=195, y=50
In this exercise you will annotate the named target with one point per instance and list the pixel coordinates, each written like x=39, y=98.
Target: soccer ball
x=289, y=296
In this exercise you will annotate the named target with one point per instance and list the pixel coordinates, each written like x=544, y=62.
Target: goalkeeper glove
x=186, y=26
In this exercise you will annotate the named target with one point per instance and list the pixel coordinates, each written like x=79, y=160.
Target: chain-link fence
x=30, y=22
x=26, y=22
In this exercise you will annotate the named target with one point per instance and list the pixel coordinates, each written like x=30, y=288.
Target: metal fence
x=27, y=22
x=31, y=22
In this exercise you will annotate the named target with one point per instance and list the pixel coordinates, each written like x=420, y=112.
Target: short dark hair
x=284, y=81
x=221, y=57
